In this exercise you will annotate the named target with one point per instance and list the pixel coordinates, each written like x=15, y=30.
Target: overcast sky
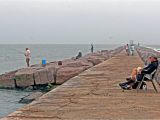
x=80, y=21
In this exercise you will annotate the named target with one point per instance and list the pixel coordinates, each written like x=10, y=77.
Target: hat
x=152, y=55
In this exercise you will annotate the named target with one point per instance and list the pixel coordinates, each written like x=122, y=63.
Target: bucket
x=44, y=62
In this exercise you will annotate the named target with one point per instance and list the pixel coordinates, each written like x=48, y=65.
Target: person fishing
x=28, y=56
x=92, y=48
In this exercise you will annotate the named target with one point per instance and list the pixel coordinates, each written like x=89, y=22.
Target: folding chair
x=150, y=77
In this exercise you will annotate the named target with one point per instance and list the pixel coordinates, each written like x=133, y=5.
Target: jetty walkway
x=95, y=94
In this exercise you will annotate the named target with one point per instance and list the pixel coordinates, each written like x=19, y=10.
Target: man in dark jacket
x=151, y=67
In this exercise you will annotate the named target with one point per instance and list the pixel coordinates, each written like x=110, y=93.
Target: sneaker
x=121, y=84
x=127, y=87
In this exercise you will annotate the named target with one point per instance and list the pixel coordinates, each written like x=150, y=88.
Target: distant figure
x=28, y=55
x=79, y=55
x=92, y=48
x=132, y=50
x=127, y=49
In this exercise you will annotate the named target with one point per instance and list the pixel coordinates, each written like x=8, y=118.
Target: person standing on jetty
x=27, y=55
x=127, y=49
x=92, y=48
x=132, y=50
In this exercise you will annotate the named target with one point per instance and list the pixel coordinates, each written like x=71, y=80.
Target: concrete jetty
x=95, y=94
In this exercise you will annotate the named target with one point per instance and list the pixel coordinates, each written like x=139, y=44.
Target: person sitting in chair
x=151, y=67
x=139, y=74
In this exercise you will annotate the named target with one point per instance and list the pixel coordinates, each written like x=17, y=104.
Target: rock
x=29, y=89
x=43, y=76
x=71, y=68
x=7, y=80
x=144, y=53
x=24, y=77
x=79, y=63
x=98, y=57
x=94, y=59
x=52, y=73
x=66, y=73
x=31, y=97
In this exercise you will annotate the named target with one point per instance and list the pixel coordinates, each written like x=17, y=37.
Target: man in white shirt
x=28, y=55
x=132, y=50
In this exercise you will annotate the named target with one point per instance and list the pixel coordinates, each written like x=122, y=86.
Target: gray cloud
x=79, y=21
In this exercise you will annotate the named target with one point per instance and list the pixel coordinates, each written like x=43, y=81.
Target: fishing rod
x=18, y=51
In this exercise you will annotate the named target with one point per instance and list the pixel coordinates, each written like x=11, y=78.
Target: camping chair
x=150, y=77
